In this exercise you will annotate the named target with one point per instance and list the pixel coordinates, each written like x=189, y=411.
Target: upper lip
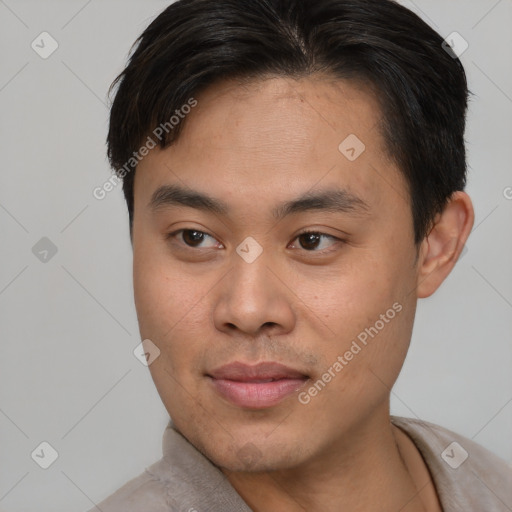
x=243, y=372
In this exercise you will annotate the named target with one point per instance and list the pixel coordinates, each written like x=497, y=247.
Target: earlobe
x=441, y=248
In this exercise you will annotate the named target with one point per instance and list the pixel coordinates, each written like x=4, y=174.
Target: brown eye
x=192, y=237
x=311, y=240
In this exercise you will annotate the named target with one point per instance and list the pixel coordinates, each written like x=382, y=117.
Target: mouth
x=256, y=386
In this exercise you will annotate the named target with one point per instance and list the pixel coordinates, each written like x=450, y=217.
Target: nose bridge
x=250, y=261
x=252, y=295
x=251, y=277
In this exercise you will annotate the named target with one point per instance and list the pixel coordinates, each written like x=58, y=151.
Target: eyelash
x=169, y=236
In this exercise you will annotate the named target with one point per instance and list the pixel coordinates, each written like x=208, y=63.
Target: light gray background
x=68, y=374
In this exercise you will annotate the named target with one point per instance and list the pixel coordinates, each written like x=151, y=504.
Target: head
x=239, y=126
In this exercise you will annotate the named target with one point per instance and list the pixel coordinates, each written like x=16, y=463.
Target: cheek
x=170, y=307
x=160, y=296
x=367, y=302
x=168, y=315
x=352, y=296
x=153, y=296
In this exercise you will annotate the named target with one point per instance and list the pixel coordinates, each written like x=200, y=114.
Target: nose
x=254, y=299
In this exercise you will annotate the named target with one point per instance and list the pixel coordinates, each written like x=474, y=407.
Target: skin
x=300, y=303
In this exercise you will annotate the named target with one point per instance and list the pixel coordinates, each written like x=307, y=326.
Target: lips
x=256, y=386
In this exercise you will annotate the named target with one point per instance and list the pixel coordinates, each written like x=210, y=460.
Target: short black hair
x=420, y=84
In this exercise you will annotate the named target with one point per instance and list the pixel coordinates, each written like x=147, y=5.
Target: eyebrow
x=329, y=200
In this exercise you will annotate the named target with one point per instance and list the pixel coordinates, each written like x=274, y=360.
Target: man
x=294, y=173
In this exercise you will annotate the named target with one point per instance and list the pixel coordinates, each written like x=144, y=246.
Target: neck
x=361, y=471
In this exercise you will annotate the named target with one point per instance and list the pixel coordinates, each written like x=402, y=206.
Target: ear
x=441, y=248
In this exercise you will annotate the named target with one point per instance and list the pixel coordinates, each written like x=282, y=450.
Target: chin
x=247, y=454
x=250, y=443
x=251, y=459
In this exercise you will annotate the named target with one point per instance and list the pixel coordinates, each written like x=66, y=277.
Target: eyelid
x=169, y=236
x=314, y=231
x=321, y=233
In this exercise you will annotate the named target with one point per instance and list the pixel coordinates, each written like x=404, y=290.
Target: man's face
x=336, y=309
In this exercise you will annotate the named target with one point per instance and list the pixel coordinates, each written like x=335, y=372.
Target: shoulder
x=146, y=492
x=183, y=480
x=467, y=476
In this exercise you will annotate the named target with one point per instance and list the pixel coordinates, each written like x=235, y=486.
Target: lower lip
x=257, y=395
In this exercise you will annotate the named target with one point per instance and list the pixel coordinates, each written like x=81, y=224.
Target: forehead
x=277, y=135
x=284, y=113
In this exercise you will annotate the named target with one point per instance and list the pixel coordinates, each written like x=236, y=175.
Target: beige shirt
x=467, y=477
